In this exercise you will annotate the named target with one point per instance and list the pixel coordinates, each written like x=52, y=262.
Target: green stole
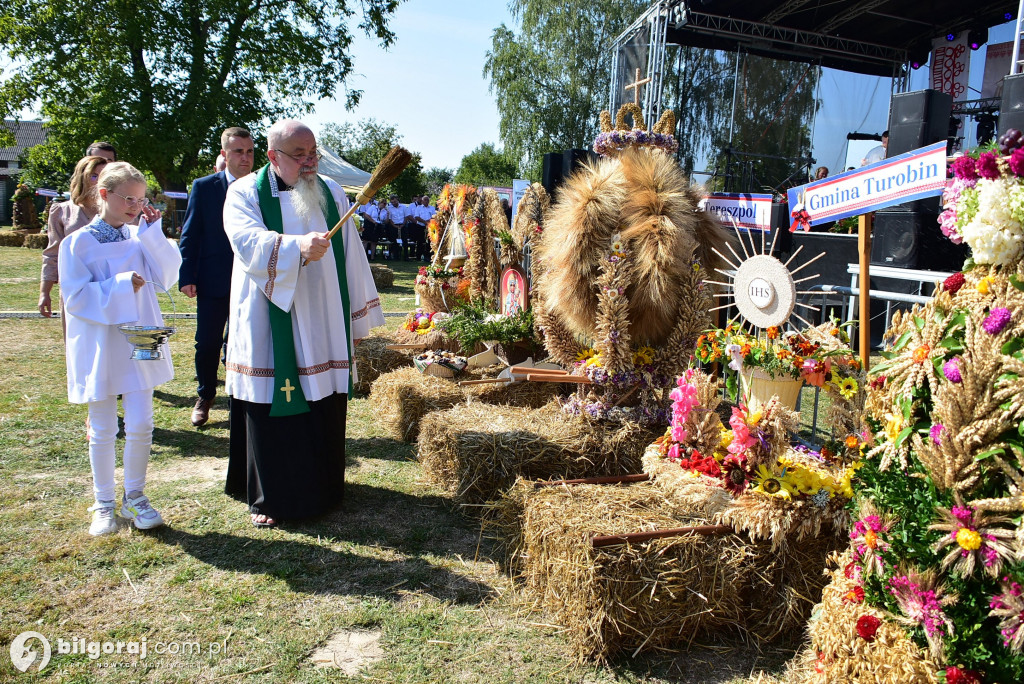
x=288, y=398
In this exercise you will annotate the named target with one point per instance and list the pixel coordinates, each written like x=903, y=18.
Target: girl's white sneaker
x=137, y=509
x=103, y=519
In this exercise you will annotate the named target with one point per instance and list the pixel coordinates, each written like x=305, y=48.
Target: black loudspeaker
x=911, y=239
x=560, y=165
x=917, y=119
x=1011, y=110
x=552, y=174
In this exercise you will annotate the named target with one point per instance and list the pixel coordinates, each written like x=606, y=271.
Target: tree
x=365, y=143
x=486, y=166
x=161, y=78
x=435, y=178
x=550, y=78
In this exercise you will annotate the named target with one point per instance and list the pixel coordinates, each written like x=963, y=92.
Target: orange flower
x=773, y=332
x=852, y=442
x=784, y=354
x=745, y=349
x=871, y=539
x=834, y=332
x=921, y=353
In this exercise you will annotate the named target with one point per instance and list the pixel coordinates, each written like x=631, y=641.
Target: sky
x=429, y=84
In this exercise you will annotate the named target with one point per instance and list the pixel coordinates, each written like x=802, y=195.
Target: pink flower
x=996, y=320
x=951, y=369
x=965, y=167
x=1016, y=162
x=936, y=433
x=814, y=371
x=678, y=433
x=988, y=165
x=673, y=452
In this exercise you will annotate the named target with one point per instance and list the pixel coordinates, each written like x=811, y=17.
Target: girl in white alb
x=107, y=271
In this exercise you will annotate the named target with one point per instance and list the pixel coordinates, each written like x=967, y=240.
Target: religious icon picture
x=514, y=291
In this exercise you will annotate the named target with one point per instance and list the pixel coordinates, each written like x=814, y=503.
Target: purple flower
x=951, y=369
x=965, y=167
x=1016, y=162
x=988, y=166
x=936, y=433
x=996, y=321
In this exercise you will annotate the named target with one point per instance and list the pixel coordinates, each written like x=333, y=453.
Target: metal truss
x=752, y=32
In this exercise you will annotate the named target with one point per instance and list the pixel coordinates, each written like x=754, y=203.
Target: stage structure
x=874, y=37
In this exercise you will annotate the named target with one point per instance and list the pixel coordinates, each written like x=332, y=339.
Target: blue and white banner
x=904, y=178
x=744, y=210
x=44, y=192
x=171, y=194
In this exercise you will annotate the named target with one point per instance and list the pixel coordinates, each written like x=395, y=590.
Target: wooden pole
x=866, y=223
x=598, y=541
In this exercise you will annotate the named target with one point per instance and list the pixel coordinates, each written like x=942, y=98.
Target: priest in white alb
x=299, y=305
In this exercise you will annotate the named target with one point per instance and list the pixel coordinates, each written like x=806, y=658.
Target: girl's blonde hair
x=116, y=174
x=80, y=190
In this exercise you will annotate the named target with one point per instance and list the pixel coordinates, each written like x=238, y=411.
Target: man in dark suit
x=206, y=260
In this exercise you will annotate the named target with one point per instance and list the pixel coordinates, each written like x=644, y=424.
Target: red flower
x=849, y=570
x=867, y=625
x=953, y=283
x=855, y=595
x=954, y=675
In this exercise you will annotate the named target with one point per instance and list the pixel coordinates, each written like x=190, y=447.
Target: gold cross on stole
x=288, y=389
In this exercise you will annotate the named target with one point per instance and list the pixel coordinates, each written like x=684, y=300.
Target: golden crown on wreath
x=614, y=139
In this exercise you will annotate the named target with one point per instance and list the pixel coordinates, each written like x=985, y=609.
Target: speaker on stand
x=560, y=165
x=1011, y=109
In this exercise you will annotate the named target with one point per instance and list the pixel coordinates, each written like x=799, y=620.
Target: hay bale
x=10, y=238
x=373, y=359
x=36, y=241
x=405, y=396
x=659, y=594
x=382, y=276
x=477, y=451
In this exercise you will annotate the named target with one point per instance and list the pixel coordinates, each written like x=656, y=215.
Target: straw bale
x=435, y=339
x=476, y=451
x=838, y=654
x=404, y=396
x=373, y=359
x=382, y=276
x=660, y=594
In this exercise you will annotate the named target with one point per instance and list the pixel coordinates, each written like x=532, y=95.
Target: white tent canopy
x=339, y=170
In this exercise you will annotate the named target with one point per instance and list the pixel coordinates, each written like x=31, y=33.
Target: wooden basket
x=763, y=387
x=436, y=369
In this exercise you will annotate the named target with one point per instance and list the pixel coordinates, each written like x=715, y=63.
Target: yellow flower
x=726, y=439
x=643, y=356
x=848, y=388
x=984, y=284
x=893, y=426
x=969, y=540
x=585, y=354
x=754, y=418
x=595, y=360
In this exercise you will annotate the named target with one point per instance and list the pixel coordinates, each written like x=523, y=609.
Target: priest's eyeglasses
x=316, y=155
x=132, y=201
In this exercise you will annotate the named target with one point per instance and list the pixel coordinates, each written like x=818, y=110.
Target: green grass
x=397, y=557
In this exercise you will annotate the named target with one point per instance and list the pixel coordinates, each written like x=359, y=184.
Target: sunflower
x=767, y=482
x=585, y=354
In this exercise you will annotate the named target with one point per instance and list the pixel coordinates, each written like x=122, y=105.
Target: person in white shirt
x=394, y=222
x=109, y=272
x=877, y=154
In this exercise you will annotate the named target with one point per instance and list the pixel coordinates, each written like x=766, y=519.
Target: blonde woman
x=65, y=218
x=109, y=271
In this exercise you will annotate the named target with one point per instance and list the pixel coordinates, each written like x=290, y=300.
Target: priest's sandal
x=137, y=509
x=260, y=520
x=103, y=519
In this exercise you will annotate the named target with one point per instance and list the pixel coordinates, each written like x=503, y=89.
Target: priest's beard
x=307, y=199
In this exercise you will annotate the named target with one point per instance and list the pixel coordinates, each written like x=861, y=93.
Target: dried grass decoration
x=527, y=224
x=619, y=269
x=937, y=556
x=475, y=452
x=662, y=593
x=442, y=284
x=405, y=396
